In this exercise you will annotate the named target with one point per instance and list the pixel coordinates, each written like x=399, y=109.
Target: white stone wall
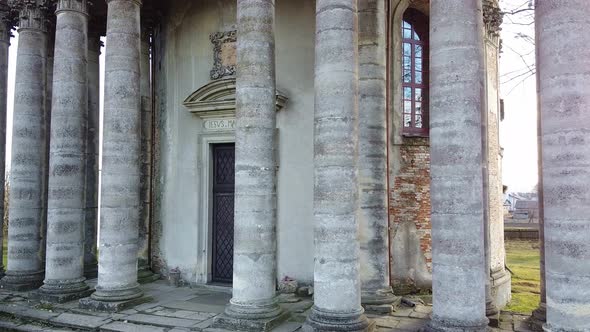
x=183, y=65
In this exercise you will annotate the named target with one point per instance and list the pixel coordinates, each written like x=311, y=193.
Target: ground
x=523, y=261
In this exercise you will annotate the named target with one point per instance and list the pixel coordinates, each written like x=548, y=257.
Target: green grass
x=523, y=259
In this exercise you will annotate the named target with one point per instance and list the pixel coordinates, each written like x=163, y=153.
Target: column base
x=539, y=317
x=113, y=300
x=255, y=316
x=22, y=281
x=145, y=275
x=501, y=287
x=55, y=291
x=89, y=303
x=436, y=325
x=326, y=321
x=382, y=301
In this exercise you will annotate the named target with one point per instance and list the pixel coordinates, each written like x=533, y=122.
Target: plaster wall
x=184, y=58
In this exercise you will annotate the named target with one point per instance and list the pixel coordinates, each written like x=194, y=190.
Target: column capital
x=139, y=2
x=7, y=21
x=32, y=14
x=80, y=6
x=492, y=17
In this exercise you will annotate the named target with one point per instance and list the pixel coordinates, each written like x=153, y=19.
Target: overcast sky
x=517, y=132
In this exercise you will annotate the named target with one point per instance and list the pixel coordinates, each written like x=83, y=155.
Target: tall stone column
x=254, y=300
x=64, y=268
x=26, y=202
x=563, y=70
x=337, y=283
x=376, y=292
x=92, y=148
x=144, y=273
x=117, y=264
x=5, y=27
x=456, y=101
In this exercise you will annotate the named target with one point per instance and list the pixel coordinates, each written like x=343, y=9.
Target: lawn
x=523, y=260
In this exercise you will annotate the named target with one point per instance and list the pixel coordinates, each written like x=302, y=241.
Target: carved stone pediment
x=218, y=98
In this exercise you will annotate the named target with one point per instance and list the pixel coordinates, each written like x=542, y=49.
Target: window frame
x=419, y=26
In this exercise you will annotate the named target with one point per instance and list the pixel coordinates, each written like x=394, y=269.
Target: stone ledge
x=261, y=325
x=94, y=305
x=58, y=298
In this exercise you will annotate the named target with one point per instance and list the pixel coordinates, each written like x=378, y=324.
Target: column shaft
x=337, y=251
x=254, y=278
x=4, y=45
x=26, y=201
x=117, y=272
x=144, y=273
x=563, y=67
x=92, y=147
x=456, y=101
x=64, y=276
x=373, y=197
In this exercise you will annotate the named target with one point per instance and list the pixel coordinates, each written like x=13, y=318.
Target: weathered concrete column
x=456, y=101
x=92, y=148
x=563, y=69
x=64, y=268
x=5, y=27
x=144, y=273
x=254, y=304
x=337, y=281
x=26, y=207
x=117, y=263
x=376, y=292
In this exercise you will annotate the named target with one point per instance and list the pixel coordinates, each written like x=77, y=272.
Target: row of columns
x=457, y=209
x=457, y=193
x=53, y=204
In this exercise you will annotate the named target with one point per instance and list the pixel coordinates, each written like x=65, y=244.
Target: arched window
x=415, y=73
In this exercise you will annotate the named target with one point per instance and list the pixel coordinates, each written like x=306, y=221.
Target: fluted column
x=64, y=268
x=456, y=101
x=5, y=27
x=254, y=277
x=119, y=208
x=26, y=206
x=92, y=147
x=373, y=219
x=563, y=67
x=337, y=284
x=144, y=273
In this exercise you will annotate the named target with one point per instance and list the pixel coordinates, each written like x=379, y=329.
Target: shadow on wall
x=409, y=269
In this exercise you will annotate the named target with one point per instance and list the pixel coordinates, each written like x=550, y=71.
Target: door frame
x=205, y=226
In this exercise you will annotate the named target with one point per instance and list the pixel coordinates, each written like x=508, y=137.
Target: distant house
x=526, y=209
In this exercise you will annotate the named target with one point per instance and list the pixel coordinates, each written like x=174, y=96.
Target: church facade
x=349, y=145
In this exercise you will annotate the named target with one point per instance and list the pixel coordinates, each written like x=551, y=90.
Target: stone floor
x=187, y=309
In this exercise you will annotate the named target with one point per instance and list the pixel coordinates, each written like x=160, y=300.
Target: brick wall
x=409, y=209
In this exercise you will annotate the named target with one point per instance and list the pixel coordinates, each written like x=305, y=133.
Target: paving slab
x=193, y=306
x=130, y=327
x=194, y=315
x=79, y=321
x=161, y=320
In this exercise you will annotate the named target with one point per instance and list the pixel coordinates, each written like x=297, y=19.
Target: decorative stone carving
x=224, y=54
x=7, y=21
x=33, y=14
x=492, y=17
x=73, y=5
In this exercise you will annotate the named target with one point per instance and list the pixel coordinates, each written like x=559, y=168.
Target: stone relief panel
x=224, y=54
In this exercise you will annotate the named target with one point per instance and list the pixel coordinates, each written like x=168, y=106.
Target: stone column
x=456, y=101
x=144, y=273
x=5, y=27
x=337, y=281
x=92, y=147
x=64, y=276
x=117, y=269
x=26, y=206
x=254, y=278
x=563, y=70
x=376, y=292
